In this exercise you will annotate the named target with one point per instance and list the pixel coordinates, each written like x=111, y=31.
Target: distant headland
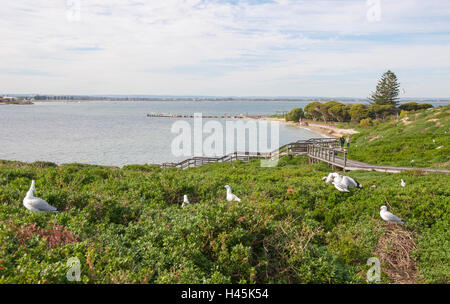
x=29, y=98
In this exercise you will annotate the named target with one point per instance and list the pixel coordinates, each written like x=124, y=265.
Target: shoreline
x=323, y=130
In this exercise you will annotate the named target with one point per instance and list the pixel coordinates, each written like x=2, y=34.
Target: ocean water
x=117, y=133
x=114, y=133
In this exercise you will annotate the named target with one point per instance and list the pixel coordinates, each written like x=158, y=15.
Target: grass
x=126, y=225
x=422, y=136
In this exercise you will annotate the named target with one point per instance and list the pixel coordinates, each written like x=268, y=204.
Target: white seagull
x=403, y=183
x=389, y=217
x=35, y=203
x=341, y=182
x=230, y=196
x=185, y=202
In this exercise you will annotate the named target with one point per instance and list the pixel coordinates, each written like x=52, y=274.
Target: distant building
x=8, y=98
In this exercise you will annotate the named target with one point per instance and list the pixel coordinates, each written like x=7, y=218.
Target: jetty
x=327, y=150
x=231, y=116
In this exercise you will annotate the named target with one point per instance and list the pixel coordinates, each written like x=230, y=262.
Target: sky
x=335, y=48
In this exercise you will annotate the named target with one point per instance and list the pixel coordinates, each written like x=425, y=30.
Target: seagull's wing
x=340, y=187
x=391, y=217
x=41, y=205
x=236, y=198
x=349, y=182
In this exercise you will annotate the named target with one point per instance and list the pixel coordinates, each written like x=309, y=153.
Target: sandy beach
x=324, y=130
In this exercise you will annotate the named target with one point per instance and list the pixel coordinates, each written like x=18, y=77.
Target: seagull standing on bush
x=185, y=202
x=403, y=184
x=35, y=203
x=389, y=217
x=230, y=196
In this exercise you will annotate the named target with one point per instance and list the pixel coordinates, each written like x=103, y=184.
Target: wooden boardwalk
x=316, y=149
x=337, y=158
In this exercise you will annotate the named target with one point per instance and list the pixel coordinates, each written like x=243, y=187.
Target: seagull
x=389, y=217
x=35, y=203
x=230, y=196
x=343, y=182
x=403, y=183
x=185, y=202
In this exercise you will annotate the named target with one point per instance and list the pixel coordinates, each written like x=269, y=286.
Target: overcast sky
x=224, y=48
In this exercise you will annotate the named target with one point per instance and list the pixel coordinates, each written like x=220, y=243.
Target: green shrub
x=295, y=115
x=365, y=123
x=414, y=106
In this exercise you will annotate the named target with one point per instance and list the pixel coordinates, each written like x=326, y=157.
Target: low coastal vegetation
x=416, y=138
x=127, y=225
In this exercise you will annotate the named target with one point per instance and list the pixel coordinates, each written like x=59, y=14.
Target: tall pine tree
x=387, y=90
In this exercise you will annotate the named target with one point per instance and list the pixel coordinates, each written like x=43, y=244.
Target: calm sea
x=114, y=133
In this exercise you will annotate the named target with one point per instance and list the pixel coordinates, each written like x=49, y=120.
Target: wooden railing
x=295, y=148
x=325, y=150
x=329, y=154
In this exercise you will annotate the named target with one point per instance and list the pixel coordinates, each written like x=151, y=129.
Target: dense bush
x=414, y=106
x=358, y=112
x=126, y=225
x=365, y=123
x=295, y=114
x=335, y=111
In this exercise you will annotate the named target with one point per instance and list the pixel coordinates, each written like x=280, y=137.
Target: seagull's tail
x=358, y=185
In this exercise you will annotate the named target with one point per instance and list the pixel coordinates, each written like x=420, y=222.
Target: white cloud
x=276, y=48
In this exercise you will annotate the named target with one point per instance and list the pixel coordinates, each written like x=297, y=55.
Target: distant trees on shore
x=383, y=103
x=295, y=115
x=355, y=113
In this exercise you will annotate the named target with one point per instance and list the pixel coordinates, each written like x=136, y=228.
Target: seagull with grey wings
x=36, y=204
x=341, y=182
x=388, y=216
x=230, y=196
